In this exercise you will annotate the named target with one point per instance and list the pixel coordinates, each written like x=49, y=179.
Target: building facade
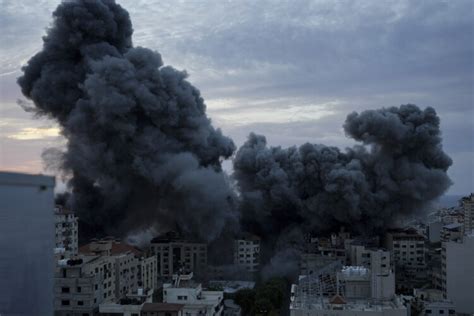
x=196, y=301
x=66, y=231
x=247, y=252
x=175, y=255
x=26, y=243
x=408, y=248
x=467, y=206
x=82, y=284
x=457, y=269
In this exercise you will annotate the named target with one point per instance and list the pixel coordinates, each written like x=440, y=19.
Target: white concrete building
x=26, y=243
x=247, y=252
x=174, y=254
x=82, y=284
x=132, y=269
x=66, y=231
x=457, y=270
x=196, y=301
x=360, y=293
x=467, y=206
x=131, y=305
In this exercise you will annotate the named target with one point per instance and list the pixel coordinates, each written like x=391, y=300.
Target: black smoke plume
x=140, y=147
x=399, y=168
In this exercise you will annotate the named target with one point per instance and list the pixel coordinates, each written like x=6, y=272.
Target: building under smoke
x=141, y=149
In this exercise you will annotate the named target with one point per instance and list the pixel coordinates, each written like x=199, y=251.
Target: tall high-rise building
x=66, y=231
x=467, y=205
x=457, y=270
x=26, y=243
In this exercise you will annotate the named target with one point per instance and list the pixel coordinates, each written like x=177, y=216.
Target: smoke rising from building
x=140, y=146
x=142, y=151
x=399, y=168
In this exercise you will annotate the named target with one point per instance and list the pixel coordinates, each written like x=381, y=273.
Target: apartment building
x=451, y=232
x=196, y=301
x=82, y=284
x=149, y=272
x=175, y=255
x=467, y=206
x=66, y=231
x=407, y=247
x=247, y=252
x=457, y=270
x=132, y=269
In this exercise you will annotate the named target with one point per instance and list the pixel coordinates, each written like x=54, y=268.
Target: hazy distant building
x=247, y=252
x=66, y=231
x=174, y=254
x=434, y=231
x=467, y=205
x=458, y=273
x=26, y=243
x=408, y=248
x=452, y=232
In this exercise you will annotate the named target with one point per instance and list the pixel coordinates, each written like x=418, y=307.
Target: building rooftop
x=115, y=247
x=171, y=236
x=162, y=307
x=405, y=233
x=453, y=226
x=248, y=236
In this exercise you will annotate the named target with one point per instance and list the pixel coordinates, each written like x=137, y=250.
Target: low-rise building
x=360, y=291
x=162, y=309
x=131, y=305
x=196, y=301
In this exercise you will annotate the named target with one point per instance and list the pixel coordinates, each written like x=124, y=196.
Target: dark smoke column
x=316, y=188
x=140, y=147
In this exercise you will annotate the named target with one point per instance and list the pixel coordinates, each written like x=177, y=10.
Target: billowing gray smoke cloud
x=317, y=188
x=140, y=147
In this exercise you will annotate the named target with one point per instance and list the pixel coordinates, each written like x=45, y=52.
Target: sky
x=291, y=70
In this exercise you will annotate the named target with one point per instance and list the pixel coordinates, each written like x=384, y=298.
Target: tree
x=245, y=298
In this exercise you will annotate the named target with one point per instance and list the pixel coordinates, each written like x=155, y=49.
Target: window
x=428, y=311
x=64, y=273
x=65, y=303
x=64, y=290
x=441, y=311
x=80, y=303
x=79, y=289
x=451, y=312
x=96, y=287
